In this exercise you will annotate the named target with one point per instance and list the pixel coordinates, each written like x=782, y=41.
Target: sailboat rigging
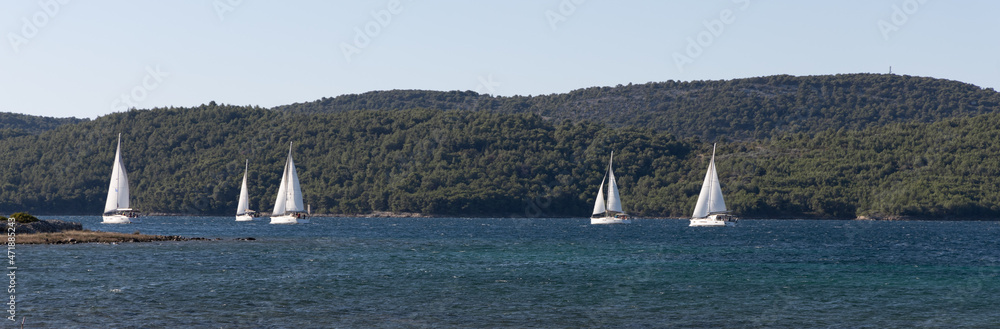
x=288, y=207
x=116, y=208
x=243, y=212
x=710, y=210
x=609, y=211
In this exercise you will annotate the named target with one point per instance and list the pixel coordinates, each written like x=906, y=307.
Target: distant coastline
x=387, y=214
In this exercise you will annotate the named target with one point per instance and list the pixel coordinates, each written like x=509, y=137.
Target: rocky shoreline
x=87, y=236
x=43, y=226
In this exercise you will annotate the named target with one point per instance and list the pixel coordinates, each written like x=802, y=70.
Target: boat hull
x=119, y=219
x=609, y=220
x=714, y=220
x=244, y=218
x=288, y=219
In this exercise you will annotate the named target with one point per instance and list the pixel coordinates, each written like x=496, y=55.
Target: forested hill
x=737, y=109
x=468, y=163
x=14, y=124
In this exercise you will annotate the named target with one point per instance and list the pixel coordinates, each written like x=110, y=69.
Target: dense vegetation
x=439, y=162
x=933, y=154
x=948, y=169
x=475, y=163
x=24, y=218
x=740, y=109
x=14, y=124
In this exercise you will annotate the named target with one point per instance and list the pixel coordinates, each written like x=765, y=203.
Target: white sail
x=118, y=188
x=289, y=192
x=293, y=203
x=609, y=211
x=279, y=202
x=244, y=203
x=710, y=199
x=599, y=203
x=614, y=200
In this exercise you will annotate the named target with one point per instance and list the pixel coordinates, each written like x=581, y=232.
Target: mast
x=711, y=170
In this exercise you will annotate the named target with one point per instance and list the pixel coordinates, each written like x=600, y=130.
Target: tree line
x=739, y=109
x=483, y=163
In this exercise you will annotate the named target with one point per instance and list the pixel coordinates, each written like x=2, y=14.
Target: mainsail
x=614, y=200
x=118, y=188
x=710, y=199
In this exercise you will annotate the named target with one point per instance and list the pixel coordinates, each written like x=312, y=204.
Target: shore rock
x=44, y=226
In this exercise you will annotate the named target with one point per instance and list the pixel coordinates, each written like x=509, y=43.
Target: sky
x=86, y=59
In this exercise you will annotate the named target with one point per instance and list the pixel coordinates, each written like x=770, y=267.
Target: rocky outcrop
x=43, y=226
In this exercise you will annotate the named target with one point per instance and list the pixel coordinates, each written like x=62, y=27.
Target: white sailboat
x=116, y=208
x=711, y=207
x=609, y=211
x=243, y=212
x=288, y=208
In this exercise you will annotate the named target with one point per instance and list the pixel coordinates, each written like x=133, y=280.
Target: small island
x=30, y=230
x=87, y=236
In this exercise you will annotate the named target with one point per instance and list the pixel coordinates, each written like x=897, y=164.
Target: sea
x=516, y=273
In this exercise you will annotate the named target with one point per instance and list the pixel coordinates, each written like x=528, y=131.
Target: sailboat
x=711, y=207
x=116, y=208
x=609, y=211
x=288, y=208
x=243, y=213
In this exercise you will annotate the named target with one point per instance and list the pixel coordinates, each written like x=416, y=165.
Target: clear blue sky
x=79, y=58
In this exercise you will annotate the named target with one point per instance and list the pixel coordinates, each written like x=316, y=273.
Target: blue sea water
x=517, y=273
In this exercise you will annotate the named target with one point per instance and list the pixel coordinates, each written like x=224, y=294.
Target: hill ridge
x=740, y=109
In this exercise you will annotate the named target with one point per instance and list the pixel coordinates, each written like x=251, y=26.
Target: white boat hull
x=288, y=219
x=119, y=219
x=609, y=220
x=714, y=220
x=244, y=218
